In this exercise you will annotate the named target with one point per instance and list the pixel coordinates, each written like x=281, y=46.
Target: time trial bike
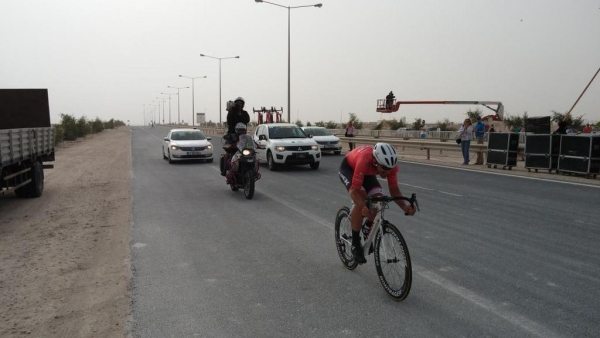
x=392, y=259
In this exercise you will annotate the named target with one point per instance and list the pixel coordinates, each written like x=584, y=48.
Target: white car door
x=260, y=138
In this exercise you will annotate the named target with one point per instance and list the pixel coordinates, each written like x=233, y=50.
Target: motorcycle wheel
x=249, y=185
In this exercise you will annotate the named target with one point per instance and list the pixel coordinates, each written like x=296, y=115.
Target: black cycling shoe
x=358, y=254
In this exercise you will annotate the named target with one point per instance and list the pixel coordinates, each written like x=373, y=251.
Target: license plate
x=194, y=153
x=250, y=160
x=301, y=155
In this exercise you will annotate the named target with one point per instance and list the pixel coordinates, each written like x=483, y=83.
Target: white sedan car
x=326, y=140
x=187, y=144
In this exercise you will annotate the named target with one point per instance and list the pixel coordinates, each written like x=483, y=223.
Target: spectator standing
x=492, y=130
x=350, y=133
x=587, y=129
x=479, y=134
x=466, y=135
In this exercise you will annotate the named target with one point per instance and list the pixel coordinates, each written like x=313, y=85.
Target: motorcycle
x=242, y=168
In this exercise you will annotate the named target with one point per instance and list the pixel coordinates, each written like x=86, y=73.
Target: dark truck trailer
x=26, y=140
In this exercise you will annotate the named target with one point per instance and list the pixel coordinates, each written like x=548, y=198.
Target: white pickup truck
x=26, y=140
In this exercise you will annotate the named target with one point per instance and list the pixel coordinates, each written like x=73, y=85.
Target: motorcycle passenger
x=358, y=172
x=244, y=141
x=235, y=115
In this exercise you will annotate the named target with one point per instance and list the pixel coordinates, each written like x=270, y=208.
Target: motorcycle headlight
x=174, y=147
x=246, y=152
x=279, y=148
x=314, y=147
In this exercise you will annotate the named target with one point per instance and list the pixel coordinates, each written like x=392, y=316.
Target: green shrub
x=69, y=126
x=97, y=126
x=59, y=134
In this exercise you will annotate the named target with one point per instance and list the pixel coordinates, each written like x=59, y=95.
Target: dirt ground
x=64, y=257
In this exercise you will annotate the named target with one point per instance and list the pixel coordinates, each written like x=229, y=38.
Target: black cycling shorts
x=370, y=182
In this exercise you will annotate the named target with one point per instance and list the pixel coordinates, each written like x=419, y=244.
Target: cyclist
x=358, y=173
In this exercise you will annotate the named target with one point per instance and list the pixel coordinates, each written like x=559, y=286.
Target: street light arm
x=319, y=5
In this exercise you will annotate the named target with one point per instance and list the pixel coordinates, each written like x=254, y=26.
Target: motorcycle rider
x=235, y=115
x=242, y=140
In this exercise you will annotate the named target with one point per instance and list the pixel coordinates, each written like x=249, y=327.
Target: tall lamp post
x=193, y=78
x=220, y=58
x=178, y=111
x=169, y=94
x=289, y=8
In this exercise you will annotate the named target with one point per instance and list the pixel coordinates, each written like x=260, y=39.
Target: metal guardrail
x=420, y=144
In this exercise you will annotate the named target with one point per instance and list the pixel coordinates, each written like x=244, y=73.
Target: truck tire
x=35, y=188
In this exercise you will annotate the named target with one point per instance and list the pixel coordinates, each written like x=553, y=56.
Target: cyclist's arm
x=395, y=192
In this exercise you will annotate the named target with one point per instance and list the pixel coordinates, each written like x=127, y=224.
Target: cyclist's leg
x=372, y=188
x=345, y=173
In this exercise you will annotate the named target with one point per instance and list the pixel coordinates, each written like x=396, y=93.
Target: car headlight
x=174, y=147
x=279, y=148
x=209, y=147
x=246, y=152
x=315, y=147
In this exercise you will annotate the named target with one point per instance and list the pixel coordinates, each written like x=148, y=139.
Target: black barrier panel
x=580, y=154
x=24, y=108
x=537, y=144
x=539, y=162
x=503, y=141
x=503, y=158
x=582, y=146
x=538, y=125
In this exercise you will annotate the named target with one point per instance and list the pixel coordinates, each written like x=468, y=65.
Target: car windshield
x=286, y=132
x=187, y=135
x=317, y=131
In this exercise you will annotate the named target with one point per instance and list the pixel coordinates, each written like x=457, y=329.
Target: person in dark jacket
x=235, y=115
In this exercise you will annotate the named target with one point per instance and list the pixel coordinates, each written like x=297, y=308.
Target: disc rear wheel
x=392, y=261
x=343, y=238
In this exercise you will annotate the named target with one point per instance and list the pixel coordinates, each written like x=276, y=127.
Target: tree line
x=71, y=128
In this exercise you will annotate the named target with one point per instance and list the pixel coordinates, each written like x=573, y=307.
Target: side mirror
x=262, y=137
x=209, y=138
x=166, y=139
x=309, y=136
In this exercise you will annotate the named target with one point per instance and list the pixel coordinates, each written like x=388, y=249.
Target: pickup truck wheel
x=315, y=165
x=270, y=162
x=169, y=157
x=164, y=156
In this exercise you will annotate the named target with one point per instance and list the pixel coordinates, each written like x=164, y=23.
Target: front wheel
x=315, y=165
x=249, y=185
x=392, y=261
x=343, y=238
x=271, y=162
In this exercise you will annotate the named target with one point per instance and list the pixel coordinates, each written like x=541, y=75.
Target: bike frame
x=375, y=228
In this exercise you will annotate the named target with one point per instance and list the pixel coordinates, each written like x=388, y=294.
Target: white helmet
x=385, y=155
x=239, y=98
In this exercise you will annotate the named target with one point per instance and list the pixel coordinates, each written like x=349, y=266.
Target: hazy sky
x=109, y=58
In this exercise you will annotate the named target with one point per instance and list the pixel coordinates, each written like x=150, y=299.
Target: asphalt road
x=492, y=255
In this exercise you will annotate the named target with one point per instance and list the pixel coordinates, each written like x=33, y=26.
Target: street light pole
x=220, y=58
x=169, y=94
x=178, y=111
x=289, y=8
x=193, y=78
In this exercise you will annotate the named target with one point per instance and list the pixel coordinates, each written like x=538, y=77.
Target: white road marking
x=449, y=193
x=488, y=305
